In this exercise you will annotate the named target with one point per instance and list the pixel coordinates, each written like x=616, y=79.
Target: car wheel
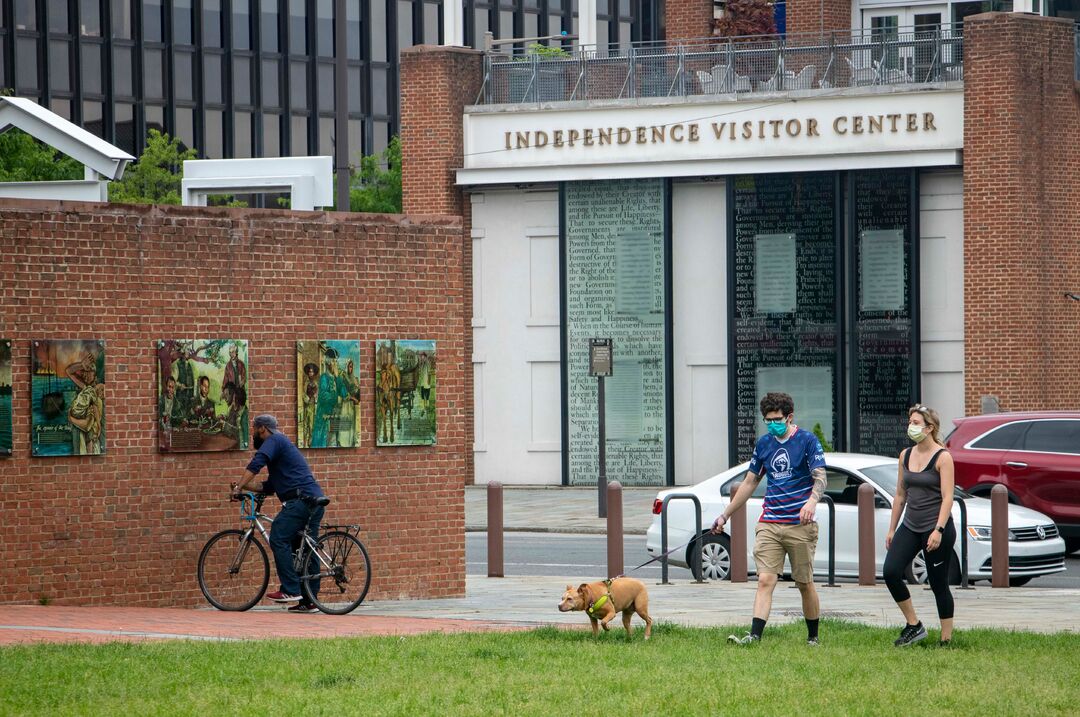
x=715, y=557
x=916, y=572
x=1020, y=581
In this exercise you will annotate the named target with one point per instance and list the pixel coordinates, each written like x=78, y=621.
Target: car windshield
x=885, y=476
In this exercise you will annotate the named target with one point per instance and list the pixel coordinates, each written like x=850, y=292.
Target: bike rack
x=695, y=561
x=963, y=544
x=832, y=542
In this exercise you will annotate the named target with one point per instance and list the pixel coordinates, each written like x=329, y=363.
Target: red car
x=1035, y=455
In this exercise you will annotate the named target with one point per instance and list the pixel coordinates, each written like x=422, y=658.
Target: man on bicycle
x=289, y=477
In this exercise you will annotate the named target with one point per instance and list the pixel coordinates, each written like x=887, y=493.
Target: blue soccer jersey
x=787, y=465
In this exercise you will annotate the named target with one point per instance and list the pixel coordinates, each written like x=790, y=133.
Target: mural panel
x=328, y=394
x=67, y=397
x=202, y=395
x=5, y=397
x=405, y=389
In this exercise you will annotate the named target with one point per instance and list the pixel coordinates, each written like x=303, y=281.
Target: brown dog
x=601, y=600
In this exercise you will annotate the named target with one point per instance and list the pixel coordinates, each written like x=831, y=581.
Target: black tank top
x=923, y=490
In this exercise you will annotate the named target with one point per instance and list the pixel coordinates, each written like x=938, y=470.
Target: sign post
x=600, y=361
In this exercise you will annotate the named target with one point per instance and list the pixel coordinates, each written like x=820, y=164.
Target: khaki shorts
x=774, y=541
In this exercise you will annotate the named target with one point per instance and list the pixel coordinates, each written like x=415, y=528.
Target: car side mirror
x=880, y=502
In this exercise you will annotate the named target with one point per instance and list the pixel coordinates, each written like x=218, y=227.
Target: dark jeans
x=906, y=544
x=287, y=525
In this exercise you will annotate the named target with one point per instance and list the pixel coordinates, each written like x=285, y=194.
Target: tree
x=746, y=17
x=155, y=178
x=24, y=159
x=374, y=189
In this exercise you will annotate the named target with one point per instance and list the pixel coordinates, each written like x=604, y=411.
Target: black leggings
x=906, y=544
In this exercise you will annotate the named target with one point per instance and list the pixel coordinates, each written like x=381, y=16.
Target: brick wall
x=127, y=527
x=818, y=16
x=687, y=19
x=1021, y=214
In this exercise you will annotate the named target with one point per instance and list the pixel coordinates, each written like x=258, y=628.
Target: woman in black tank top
x=924, y=486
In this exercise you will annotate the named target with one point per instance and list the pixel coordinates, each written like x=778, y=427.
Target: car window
x=1053, y=437
x=759, y=492
x=842, y=487
x=1005, y=437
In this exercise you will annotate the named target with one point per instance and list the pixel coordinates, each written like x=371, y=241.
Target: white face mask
x=916, y=433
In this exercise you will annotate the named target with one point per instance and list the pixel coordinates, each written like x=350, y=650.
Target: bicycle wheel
x=233, y=573
x=338, y=588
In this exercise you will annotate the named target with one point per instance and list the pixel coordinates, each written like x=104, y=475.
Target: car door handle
x=1015, y=464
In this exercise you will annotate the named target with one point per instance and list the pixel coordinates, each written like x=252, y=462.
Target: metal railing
x=726, y=66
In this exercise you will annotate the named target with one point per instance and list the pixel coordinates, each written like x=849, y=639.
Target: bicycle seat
x=320, y=501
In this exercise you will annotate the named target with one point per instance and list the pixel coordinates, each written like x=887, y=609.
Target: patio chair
x=804, y=80
x=860, y=75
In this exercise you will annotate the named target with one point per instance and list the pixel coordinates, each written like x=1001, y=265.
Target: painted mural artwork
x=328, y=394
x=67, y=381
x=5, y=397
x=405, y=392
x=202, y=402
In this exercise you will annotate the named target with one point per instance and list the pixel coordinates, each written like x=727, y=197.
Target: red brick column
x=818, y=16
x=436, y=84
x=1021, y=214
x=687, y=19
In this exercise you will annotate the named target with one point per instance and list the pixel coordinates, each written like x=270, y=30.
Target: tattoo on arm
x=818, y=475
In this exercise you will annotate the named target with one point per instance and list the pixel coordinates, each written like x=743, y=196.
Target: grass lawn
x=548, y=671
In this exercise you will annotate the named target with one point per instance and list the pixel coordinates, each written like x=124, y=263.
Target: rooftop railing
x=727, y=67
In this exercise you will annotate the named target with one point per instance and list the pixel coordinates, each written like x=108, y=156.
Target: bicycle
x=234, y=571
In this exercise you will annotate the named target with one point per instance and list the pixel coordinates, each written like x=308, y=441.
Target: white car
x=1034, y=545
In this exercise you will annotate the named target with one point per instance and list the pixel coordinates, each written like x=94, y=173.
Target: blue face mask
x=777, y=428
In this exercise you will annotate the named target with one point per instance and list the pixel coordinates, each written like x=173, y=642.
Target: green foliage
x=820, y=433
x=24, y=159
x=155, y=178
x=746, y=17
x=553, y=51
x=375, y=189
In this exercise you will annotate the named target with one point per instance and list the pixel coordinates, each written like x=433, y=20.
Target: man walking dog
x=794, y=461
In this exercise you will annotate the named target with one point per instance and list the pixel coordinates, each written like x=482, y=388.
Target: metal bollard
x=999, y=537
x=696, y=566
x=963, y=544
x=737, y=571
x=827, y=500
x=867, y=553
x=495, y=529
x=614, y=530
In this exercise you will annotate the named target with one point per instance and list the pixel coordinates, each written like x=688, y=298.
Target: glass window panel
x=353, y=30
x=152, y=24
x=298, y=96
x=271, y=84
x=90, y=69
x=377, y=33
x=60, y=65
x=155, y=118
x=378, y=91
x=356, y=141
x=298, y=141
x=213, y=74
x=90, y=18
x=185, y=126
x=624, y=35
x=241, y=134
x=91, y=118
x=532, y=3
x=3, y=68
x=271, y=136
x=184, y=76
x=530, y=26
x=325, y=28
x=506, y=24
x=182, y=22
x=122, y=70
x=269, y=24
x=26, y=63
x=602, y=35
x=624, y=8
x=61, y=107
x=380, y=136
x=242, y=80
x=326, y=87
x=431, y=24
x=120, y=19
x=326, y=136
x=211, y=18
x=480, y=26
x=404, y=25
x=124, y=126
x=25, y=15
x=214, y=131
x=298, y=27
x=58, y=16
x=153, y=66
x=241, y=25
x=555, y=5
x=356, y=90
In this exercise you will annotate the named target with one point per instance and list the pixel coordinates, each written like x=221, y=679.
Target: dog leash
x=661, y=557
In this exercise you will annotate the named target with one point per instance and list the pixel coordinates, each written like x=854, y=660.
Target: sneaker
x=812, y=641
x=747, y=639
x=910, y=635
x=303, y=606
x=278, y=596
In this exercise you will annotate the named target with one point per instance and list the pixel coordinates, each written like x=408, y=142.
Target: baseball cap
x=266, y=421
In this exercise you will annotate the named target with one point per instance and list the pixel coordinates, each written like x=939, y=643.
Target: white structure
x=102, y=162
x=308, y=180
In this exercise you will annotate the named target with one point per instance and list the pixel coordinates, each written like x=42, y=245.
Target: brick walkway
x=32, y=623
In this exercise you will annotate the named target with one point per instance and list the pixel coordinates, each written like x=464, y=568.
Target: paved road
x=586, y=555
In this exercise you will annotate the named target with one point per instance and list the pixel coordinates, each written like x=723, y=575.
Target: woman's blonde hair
x=930, y=416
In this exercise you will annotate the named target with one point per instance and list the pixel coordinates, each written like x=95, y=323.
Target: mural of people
x=324, y=433
x=205, y=384
x=406, y=387
x=5, y=397
x=328, y=393
x=309, y=395
x=87, y=411
x=68, y=397
x=350, y=391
